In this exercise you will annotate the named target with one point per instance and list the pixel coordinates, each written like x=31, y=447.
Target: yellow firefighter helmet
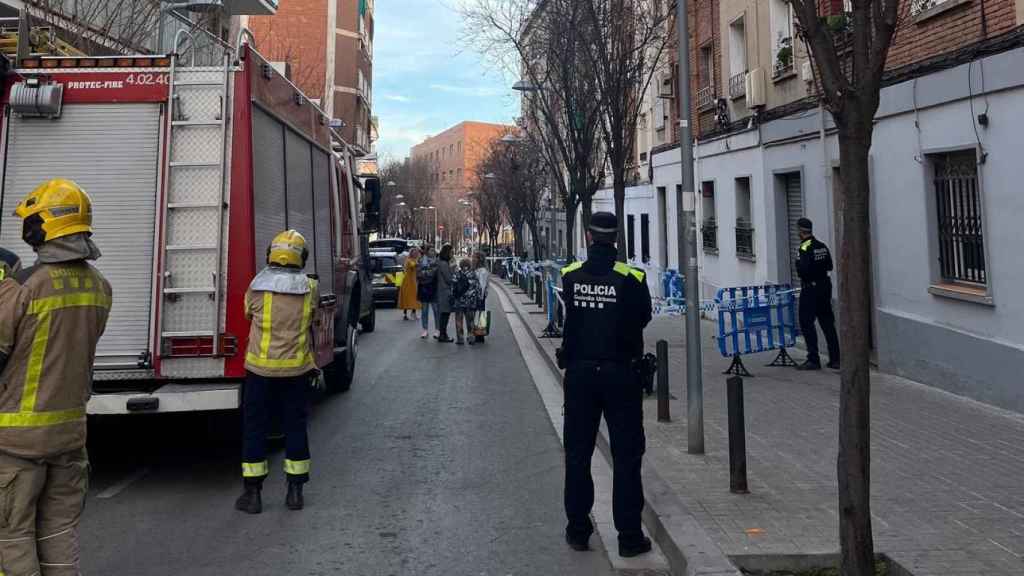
x=288, y=249
x=55, y=209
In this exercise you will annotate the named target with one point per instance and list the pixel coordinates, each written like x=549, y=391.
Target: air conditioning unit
x=755, y=88
x=806, y=72
x=667, y=88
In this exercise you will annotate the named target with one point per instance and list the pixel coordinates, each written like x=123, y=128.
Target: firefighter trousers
x=284, y=397
x=613, y=390
x=41, y=503
x=816, y=305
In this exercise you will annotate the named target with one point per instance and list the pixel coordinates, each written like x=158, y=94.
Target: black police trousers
x=816, y=305
x=288, y=400
x=611, y=389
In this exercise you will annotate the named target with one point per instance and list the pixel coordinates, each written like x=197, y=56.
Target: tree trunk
x=619, y=186
x=570, y=231
x=588, y=211
x=538, y=247
x=854, y=463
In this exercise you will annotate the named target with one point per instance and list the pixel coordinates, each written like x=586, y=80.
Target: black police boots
x=808, y=365
x=250, y=501
x=629, y=549
x=577, y=542
x=294, y=500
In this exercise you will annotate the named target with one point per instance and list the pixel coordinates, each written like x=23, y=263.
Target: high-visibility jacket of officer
x=281, y=305
x=51, y=317
x=813, y=267
x=608, y=305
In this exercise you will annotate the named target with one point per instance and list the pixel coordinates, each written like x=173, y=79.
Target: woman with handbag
x=407, y=292
x=482, y=318
x=426, y=288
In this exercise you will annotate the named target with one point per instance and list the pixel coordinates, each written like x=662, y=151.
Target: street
x=440, y=460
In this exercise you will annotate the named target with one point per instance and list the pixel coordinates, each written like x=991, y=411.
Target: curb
x=685, y=544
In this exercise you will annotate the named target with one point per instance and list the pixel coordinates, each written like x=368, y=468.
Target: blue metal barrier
x=755, y=319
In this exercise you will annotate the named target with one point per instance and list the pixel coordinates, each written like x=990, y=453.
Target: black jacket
x=815, y=261
x=627, y=327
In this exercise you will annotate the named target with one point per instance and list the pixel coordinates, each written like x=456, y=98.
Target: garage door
x=112, y=151
x=794, y=212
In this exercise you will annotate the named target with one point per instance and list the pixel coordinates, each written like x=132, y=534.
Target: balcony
x=705, y=97
x=709, y=233
x=738, y=86
x=783, y=69
x=744, y=239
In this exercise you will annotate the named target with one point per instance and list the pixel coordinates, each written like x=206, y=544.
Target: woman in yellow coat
x=407, y=300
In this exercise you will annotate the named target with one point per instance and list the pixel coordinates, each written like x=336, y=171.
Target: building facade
x=453, y=155
x=942, y=168
x=327, y=49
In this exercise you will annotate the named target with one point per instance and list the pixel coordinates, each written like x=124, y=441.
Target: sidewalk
x=948, y=473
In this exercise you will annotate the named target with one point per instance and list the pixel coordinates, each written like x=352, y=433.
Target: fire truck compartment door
x=112, y=151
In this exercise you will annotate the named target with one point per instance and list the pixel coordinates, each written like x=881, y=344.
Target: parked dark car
x=386, y=272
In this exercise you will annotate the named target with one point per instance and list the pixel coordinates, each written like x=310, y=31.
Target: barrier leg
x=737, y=437
x=783, y=359
x=663, y=396
x=738, y=368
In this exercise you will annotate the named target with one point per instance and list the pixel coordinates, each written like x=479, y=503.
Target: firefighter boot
x=250, y=502
x=294, y=500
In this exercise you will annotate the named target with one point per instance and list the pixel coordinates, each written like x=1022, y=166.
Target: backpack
x=461, y=285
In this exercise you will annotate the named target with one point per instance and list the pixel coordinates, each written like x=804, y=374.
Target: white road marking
x=123, y=485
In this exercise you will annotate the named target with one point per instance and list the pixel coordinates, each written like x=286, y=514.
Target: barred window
x=961, y=238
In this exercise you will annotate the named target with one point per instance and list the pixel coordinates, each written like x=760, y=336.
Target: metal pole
x=663, y=397
x=737, y=437
x=687, y=237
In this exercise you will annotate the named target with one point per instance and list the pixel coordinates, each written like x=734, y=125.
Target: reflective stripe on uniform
x=268, y=305
x=254, y=469
x=296, y=467
x=806, y=245
x=76, y=300
x=38, y=419
x=572, y=268
x=627, y=270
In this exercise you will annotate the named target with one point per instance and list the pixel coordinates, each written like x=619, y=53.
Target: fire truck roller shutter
x=322, y=205
x=112, y=151
x=300, y=191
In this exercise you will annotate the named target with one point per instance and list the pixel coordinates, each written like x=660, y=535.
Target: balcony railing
x=744, y=239
x=709, y=232
x=705, y=97
x=782, y=68
x=738, y=85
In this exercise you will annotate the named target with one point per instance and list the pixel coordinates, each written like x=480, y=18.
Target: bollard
x=663, y=408
x=737, y=437
x=538, y=294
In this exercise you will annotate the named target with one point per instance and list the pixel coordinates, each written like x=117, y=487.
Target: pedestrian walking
x=465, y=300
x=58, y=310
x=426, y=288
x=407, y=299
x=608, y=305
x=443, y=294
x=280, y=366
x=813, y=267
x=483, y=276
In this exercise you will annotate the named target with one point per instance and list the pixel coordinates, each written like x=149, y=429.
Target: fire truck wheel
x=369, y=324
x=340, y=373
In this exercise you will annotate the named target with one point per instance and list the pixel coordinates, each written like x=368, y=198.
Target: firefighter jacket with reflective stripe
x=608, y=305
x=59, y=313
x=280, y=331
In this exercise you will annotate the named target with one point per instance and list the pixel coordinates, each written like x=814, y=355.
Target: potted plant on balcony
x=784, y=55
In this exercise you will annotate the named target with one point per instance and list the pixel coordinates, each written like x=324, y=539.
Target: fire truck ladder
x=195, y=205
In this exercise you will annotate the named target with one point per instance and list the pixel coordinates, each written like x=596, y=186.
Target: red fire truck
x=192, y=171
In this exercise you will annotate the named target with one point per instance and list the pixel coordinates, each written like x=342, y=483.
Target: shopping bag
x=482, y=325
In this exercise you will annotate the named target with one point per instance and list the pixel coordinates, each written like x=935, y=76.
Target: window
x=631, y=236
x=709, y=225
x=961, y=239
x=705, y=76
x=744, y=223
x=645, y=238
x=782, y=38
x=737, y=59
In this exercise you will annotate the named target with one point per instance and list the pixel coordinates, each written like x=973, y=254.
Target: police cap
x=604, y=223
x=805, y=224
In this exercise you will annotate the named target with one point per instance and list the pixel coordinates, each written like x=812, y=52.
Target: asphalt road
x=440, y=460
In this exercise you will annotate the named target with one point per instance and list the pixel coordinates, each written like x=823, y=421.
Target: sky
x=424, y=81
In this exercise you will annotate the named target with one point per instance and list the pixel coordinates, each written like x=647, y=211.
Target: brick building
x=327, y=46
x=453, y=155
x=945, y=207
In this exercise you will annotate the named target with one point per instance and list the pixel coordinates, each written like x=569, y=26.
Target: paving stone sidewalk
x=948, y=473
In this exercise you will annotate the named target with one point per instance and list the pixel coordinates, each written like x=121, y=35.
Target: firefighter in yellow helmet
x=59, y=312
x=281, y=305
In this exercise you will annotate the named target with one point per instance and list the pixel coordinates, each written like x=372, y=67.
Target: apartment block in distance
x=454, y=154
x=326, y=47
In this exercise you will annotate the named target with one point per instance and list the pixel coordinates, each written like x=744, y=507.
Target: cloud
x=475, y=91
x=397, y=98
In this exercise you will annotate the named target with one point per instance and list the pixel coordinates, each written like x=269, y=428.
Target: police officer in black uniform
x=608, y=306
x=813, y=266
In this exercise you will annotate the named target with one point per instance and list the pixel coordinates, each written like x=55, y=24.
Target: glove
x=317, y=381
